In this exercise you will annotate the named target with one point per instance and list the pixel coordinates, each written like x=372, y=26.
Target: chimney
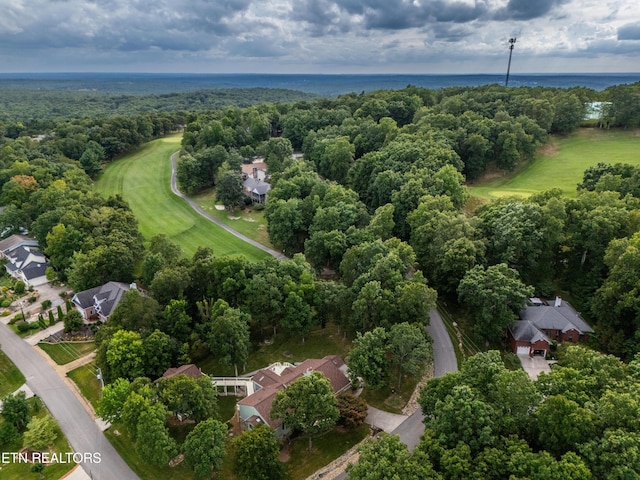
x=558, y=302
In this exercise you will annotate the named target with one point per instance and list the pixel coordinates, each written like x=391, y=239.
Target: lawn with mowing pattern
x=562, y=162
x=63, y=353
x=143, y=180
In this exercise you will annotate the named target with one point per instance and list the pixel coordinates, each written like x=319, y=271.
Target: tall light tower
x=512, y=42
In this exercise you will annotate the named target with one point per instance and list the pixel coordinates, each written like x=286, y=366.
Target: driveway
x=444, y=361
x=534, y=366
x=80, y=429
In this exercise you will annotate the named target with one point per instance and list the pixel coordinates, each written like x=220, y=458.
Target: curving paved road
x=444, y=361
x=196, y=207
x=80, y=429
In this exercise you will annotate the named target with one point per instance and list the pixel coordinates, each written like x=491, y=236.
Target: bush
x=63, y=294
x=18, y=287
x=6, y=303
x=46, y=304
x=23, y=327
x=18, y=317
x=353, y=410
x=33, y=299
x=5, y=313
x=72, y=321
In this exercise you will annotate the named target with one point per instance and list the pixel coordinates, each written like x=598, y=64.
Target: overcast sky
x=319, y=36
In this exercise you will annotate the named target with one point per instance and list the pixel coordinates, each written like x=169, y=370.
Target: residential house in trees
x=542, y=323
x=253, y=181
x=96, y=304
x=255, y=409
x=24, y=259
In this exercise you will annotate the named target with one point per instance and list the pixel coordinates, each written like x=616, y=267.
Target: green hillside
x=561, y=163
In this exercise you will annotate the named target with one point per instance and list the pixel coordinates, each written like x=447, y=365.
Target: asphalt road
x=80, y=429
x=444, y=361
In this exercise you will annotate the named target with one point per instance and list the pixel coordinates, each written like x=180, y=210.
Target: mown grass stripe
x=143, y=180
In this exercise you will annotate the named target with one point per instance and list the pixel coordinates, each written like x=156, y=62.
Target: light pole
x=512, y=42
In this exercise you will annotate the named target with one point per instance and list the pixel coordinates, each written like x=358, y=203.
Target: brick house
x=541, y=324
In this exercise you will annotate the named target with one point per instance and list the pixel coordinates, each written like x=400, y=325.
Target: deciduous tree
x=307, y=404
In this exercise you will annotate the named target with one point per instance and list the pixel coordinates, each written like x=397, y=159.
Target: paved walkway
x=42, y=334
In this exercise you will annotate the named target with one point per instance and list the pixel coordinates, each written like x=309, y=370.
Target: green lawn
x=562, y=162
x=248, y=221
x=143, y=180
x=121, y=441
x=85, y=378
x=325, y=450
x=10, y=377
x=318, y=344
x=63, y=353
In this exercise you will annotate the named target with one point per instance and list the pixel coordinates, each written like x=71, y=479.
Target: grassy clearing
x=85, y=378
x=143, y=180
x=388, y=398
x=326, y=449
x=322, y=342
x=562, y=162
x=63, y=353
x=248, y=221
x=10, y=377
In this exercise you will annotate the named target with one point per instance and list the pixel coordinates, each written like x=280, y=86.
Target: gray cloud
x=630, y=31
x=314, y=35
x=527, y=9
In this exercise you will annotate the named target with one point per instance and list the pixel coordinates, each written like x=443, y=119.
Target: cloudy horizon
x=319, y=36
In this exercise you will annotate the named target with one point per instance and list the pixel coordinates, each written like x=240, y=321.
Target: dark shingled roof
x=107, y=296
x=550, y=317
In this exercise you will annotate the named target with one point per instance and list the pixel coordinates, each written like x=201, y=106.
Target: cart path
x=196, y=207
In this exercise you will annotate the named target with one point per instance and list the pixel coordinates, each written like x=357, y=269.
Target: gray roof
x=105, y=297
x=25, y=258
x=525, y=331
x=14, y=241
x=550, y=317
x=34, y=270
x=256, y=186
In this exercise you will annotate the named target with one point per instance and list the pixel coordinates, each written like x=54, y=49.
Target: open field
x=562, y=162
x=143, y=180
x=10, y=377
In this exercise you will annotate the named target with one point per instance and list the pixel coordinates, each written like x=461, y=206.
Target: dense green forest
x=376, y=220
x=36, y=108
